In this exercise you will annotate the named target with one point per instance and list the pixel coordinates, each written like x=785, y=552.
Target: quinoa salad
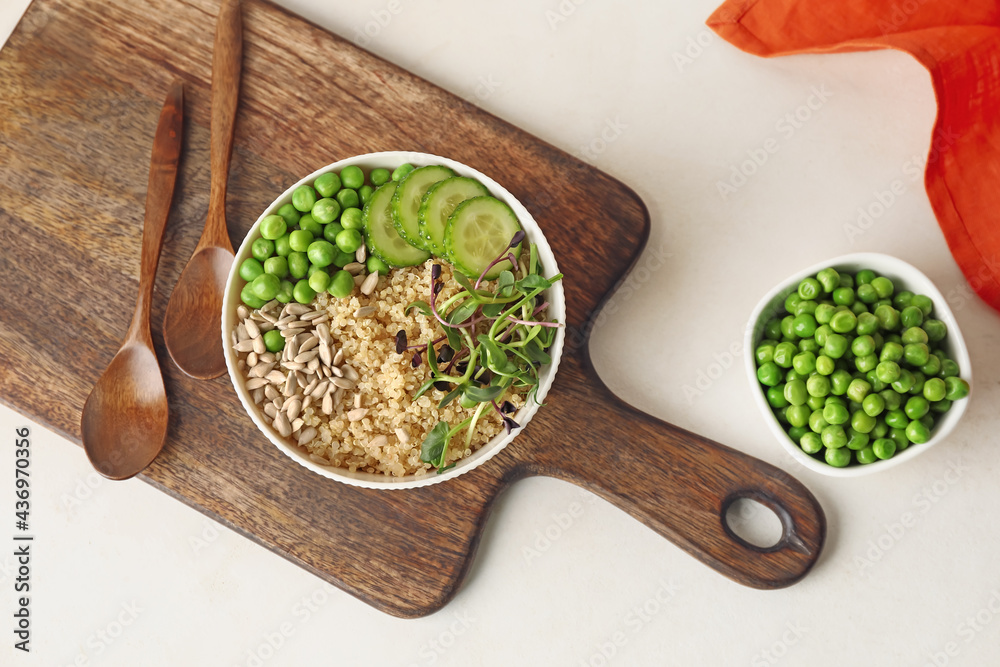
x=392, y=322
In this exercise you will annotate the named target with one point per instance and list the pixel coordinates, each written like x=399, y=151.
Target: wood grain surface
x=80, y=85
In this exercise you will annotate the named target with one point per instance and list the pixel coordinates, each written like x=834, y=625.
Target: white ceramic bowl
x=904, y=276
x=557, y=311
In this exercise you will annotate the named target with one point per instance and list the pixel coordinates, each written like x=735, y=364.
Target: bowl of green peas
x=858, y=364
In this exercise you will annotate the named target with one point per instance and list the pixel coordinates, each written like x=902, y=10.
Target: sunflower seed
x=368, y=286
x=244, y=346
x=323, y=331
x=287, y=319
x=258, y=345
x=290, y=385
x=313, y=365
x=357, y=414
x=271, y=410
x=357, y=400
x=297, y=309
x=242, y=312
x=275, y=377
x=282, y=425
x=252, y=359
x=359, y=279
x=403, y=436
x=241, y=365
x=267, y=357
x=268, y=317
x=256, y=383
x=336, y=371
x=318, y=459
x=311, y=341
x=361, y=254
x=378, y=441
x=338, y=397
x=265, y=326
x=260, y=370
x=307, y=401
x=252, y=329
x=320, y=389
x=270, y=392
x=257, y=395
x=354, y=268
x=324, y=354
x=295, y=325
x=349, y=372
x=307, y=435
x=297, y=424
x=300, y=378
x=343, y=383
x=312, y=385
x=328, y=405
x=234, y=338
x=293, y=406
x=255, y=315
x=338, y=358
x=365, y=311
x=241, y=332
x=292, y=366
x=325, y=371
x=311, y=315
x=306, y=357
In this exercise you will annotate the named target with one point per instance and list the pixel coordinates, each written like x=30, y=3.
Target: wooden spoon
x=124, y=420
x=193, y=319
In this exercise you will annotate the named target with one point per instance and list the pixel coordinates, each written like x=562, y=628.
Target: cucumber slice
x=383, y=239
x=439, y=203
x=406, y=201
x=477, y=232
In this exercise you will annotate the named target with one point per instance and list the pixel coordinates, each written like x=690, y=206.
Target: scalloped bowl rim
x=557, y=310
x=904, y=276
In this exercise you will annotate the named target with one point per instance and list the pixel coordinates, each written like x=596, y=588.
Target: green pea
x=905, y=381
x=379, y=176
x=290, y=215
x=898, y=437
x=883, y=286
x=804, y=363
x=896, y=419
x=843, y=296
x=872, y=378
x=274, y=341
x=250, y=269
x=248, y=297
x=325, y=210
x=949, y=368
x=311, y=225
x=811, y=443
x=866, y=455
x=888, y=317
x=808, y=345
x=858, y=389
x=764, y=352
x=818, y=385
x=348, y=198
x=917, y=433
x=816, y=402
x=888, y=371
x=846, y=280
x=914, y=335
x=780, y=416
x=864, y=276
x=911, y=317
x=936, y=330
x=862, y=346
x=829, y=279
x=772, y=328
x=881, y=429
x=792, y=301
x=341, y=258
x=894, y=338
x=349, y=240
x=277, y=266
x=303, y=293
x=843, y=322
x=285, y=292
x=858, y=308
x=266, y=286
x=776, y=396
x=916, y=354
x=376, y=265
x=300, y=239
x=867, y=324
x=941, y=406
x=824, y=365
x=261, y=249
x=768, y=373
x=873, y=405
x=298, y=265
x=838, y=458
x=352, y=177
x=365, y=193
x=795, y=432
x=272, y=227
x=955, y=388
x=303, y=198
x=891, y=352
x=797, y=415
x=784, y=353
x=795, y=392
x=282, y=246
x=932, y=367
x=839, y=382
x=834, y=413
x=788, y=327
x=805, y=307
x=823, y=313
x=902, y=299
x=916, y=407
x=856, y=440
x=935, y=389
x=319, y=280
x=862, y=422
x=327, y=184
x=351, y=219
x=835, y=346
x=816, y=421
x=834, y=436
x=341, y=285
x=331, y=230
x=866, y=294
x=822, y=333
x=809, y=288
x=804, y=326
x=321, y=253
x=401, y=171
x=924, y=303
x=927, y=420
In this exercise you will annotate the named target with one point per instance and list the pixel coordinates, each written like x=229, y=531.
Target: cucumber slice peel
x=408, y=197
x=477, y=232
x=439, y=203
x=383, y=239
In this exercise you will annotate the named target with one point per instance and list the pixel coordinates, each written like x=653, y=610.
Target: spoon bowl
x=124, y=421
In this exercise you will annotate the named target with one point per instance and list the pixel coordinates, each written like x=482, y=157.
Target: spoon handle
x=159, y=194
x=227, y=57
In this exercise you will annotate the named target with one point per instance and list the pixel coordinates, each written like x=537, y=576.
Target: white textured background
x=124, y=575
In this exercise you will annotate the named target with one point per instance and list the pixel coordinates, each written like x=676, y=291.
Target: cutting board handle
x=681, y=485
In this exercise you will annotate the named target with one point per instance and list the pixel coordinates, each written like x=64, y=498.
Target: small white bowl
x=556, y=311
x=903, y=276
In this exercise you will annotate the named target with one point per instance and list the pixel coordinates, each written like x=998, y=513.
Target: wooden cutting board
x=80, y=88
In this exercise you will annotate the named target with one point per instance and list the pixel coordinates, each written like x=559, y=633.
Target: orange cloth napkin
x=958, y=41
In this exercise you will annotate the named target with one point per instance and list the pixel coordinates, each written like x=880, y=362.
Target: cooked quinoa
x=388, y=381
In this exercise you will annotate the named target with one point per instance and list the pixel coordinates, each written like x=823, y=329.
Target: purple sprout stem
x=509, y=257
